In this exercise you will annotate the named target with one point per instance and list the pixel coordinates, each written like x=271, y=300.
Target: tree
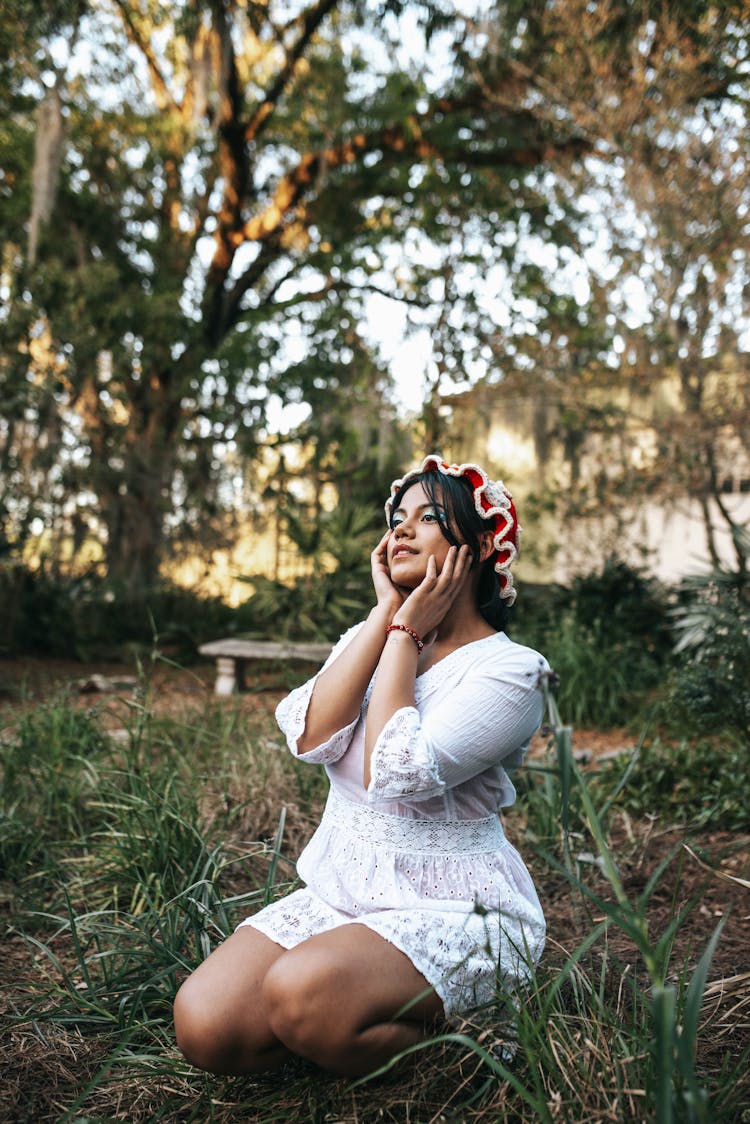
x=196, y=194
x=642, y=385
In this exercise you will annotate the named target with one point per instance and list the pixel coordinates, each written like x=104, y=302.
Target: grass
x=128, y=854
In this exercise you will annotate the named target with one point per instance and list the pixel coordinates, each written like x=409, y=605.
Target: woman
x=415, y=907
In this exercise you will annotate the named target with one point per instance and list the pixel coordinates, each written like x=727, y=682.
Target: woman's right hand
x=387, y=594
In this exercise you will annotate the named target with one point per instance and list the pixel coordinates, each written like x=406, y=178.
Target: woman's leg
x=336, y=999
x=333, y=999
x=220, y=1015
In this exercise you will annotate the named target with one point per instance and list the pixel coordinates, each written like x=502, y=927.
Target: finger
x=464, y=567
x=449, y=566
x=455, y=570
x=458, y=556
x=463, y=561
x=382, y=546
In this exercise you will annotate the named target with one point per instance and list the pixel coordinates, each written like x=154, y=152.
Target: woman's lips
x=403, y=550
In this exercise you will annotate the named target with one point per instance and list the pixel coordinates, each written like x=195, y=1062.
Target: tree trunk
x=136, y=500
x=134, y=544
x=134, y=518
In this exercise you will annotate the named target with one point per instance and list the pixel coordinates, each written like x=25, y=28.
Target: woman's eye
x=396, y=521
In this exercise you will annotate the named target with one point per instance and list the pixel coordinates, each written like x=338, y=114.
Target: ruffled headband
x=492, y=501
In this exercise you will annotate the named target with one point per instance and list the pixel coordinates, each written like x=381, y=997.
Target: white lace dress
x=420, y=856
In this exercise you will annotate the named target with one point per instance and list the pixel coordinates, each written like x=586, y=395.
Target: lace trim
x=291, y=715
x=396, y=833
x=401, y=764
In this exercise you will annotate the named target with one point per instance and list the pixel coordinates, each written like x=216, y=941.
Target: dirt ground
x=32, y=680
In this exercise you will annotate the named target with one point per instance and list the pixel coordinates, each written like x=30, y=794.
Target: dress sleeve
x=486, y=720
x=291, y=715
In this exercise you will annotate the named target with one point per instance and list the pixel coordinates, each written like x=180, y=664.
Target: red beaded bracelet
x=409, y=631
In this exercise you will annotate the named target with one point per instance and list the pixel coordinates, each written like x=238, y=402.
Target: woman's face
x=416, y=535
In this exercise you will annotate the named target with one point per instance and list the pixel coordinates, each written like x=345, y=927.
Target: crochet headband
x=492, y=501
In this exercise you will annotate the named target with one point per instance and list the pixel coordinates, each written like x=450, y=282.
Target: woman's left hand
x=427, y=604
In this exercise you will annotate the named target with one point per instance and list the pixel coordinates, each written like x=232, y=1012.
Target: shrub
x=704, y=784
x=710, y=686
x=86, y=617
x=607, y=637
x=322, y=604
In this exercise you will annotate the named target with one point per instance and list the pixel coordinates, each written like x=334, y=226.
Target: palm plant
x=711, y=686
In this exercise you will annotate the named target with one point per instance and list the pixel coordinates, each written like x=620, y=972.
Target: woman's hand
x=426, y=606
x=387, y=594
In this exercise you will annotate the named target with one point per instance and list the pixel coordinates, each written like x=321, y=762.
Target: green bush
x=704, y=784
x=322, y=604
x=607, y=637
x=88, y=617
x=710, y=684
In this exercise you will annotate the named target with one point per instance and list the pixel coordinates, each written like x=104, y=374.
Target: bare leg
x=220, y=1015
x=337, y=999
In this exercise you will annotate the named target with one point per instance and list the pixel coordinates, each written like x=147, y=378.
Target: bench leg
x=226, y=676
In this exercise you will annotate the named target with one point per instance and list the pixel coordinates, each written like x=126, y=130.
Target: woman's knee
x=191, y=1026
x=305, y=1011
x=213, y=1037
x=219, y=1017
x=199, y=1036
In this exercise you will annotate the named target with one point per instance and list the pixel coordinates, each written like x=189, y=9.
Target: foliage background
x=221, y=223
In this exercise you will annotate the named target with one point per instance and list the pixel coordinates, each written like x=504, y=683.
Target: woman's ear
x=486, y=545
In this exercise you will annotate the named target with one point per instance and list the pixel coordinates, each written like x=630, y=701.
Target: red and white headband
x=492, y=501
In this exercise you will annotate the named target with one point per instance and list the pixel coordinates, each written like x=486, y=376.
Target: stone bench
x=232, y=655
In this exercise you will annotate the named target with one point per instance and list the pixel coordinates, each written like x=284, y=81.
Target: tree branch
x=311, y=21
x=403, y=141
x=227, y=305
x=236, y=135
x=162, y=92
x=395, y=139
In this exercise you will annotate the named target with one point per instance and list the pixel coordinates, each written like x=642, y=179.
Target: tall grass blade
x=696, y=1099
x=275, y=856
x=490, y=1061
x=664, y=1009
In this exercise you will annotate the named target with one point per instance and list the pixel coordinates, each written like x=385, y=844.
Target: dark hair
x=453, y=497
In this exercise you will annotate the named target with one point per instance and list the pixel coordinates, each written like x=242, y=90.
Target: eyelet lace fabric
x=454, y=896
x=413, y=836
